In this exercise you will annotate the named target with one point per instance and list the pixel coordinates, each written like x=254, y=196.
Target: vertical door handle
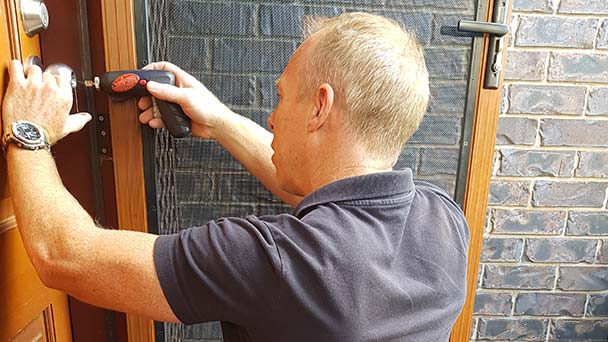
x=497, y=30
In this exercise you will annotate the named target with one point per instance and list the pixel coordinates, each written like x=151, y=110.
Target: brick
x=583, y=133
x=597, y=305
x=501, y=249
x=447, y=64
x=447, y=183
x=560, y=250
x=211, y=330
x=198, y=18
x=447, y=97
x=597, y=103
x=578, y=67
x=268, y=90
x=286, y=19
x=592, y=164
x=556, y=32
x=418, y=22
x=509, y=192
x=455, y=4
x=541, y=99
x=198, y=47
x=602, y=255
x=272, y=209
x=602, y=35
x=581, y=223
x=235, y=55
x=550, y=304
x=438, y=161
x=568, y=194
x=579, y=330
x=435, y=130
x=445, y=32
x=194, y=185
x=408, y=158
x=526, y=65
x=518, y=277
x=516, y=131
x=594, y=7
x=243, y=187
x=492, y=303
x=230, y=89
x=198, y=214
x=203, y=154
x=518, y=221
x=572, y=278
x=539, y=6
x=512, y=329
x=536, y=163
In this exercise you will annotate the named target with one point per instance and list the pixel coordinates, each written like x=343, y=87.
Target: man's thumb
x=165, y=92
x=75, y=122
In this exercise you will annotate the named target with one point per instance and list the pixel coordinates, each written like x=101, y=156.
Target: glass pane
x=238, y=49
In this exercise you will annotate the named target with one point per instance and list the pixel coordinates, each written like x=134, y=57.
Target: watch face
x=27, y=132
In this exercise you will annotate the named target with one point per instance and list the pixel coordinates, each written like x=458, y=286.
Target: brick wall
x=544, y=272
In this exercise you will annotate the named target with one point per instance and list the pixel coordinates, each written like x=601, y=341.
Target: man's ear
x=324, y=103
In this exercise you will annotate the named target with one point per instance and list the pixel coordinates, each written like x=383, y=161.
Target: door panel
x=239, y=49
x=28, y=310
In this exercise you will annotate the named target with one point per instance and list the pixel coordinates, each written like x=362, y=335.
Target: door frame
x=128, y=151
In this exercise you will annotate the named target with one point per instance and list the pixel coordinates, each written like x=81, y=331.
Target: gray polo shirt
x=369, y=258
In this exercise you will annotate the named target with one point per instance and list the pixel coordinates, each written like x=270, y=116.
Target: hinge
x=104, y=142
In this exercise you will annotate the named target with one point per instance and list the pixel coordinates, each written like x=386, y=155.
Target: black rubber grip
x=125, y=84
x=177, y=122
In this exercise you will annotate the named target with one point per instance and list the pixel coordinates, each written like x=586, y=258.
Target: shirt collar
x=373, y=185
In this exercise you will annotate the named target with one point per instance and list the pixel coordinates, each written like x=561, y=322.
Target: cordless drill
x=125, y=84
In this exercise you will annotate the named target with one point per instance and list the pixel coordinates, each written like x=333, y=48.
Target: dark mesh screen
x=238, y=49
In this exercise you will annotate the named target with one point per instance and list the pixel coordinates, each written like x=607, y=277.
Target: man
x=367, y=254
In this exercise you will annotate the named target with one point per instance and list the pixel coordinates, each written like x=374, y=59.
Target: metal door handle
x=497, y=30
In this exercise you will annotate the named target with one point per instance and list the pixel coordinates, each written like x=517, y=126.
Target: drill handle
x=121, y=85
x=177, y=122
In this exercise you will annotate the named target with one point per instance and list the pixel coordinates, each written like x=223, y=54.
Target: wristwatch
x=26, y=135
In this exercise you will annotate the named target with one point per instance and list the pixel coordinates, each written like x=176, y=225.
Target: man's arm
x=247, y=141
x=112, y=269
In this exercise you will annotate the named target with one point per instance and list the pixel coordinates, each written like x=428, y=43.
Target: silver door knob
x=35, y=16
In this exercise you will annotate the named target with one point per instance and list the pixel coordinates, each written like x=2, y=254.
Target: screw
x=104, y=150
x=103, y=133
x=101, y=118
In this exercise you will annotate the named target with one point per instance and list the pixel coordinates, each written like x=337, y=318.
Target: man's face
x=288, y=122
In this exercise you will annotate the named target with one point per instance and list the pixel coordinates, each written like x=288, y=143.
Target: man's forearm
x=250, y=144
x=49, y=217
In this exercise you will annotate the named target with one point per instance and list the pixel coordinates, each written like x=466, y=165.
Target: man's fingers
x=156, y=123
x=34, y=73
x=15, y=71
x=166, y=92
x=147, y=118
x=76, y=122
x=144, y=103
x=182, y=78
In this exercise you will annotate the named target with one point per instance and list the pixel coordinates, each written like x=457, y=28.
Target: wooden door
x=28, y=310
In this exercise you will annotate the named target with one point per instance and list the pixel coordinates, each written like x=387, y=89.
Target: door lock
x=497, y=30
x=35, y=16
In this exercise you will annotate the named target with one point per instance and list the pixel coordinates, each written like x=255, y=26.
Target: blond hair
x=378, y=72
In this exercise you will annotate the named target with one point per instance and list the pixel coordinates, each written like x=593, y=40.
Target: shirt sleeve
x=228, y=270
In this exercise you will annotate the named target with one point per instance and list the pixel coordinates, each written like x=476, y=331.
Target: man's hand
x=42, y=98
x=205, y=110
